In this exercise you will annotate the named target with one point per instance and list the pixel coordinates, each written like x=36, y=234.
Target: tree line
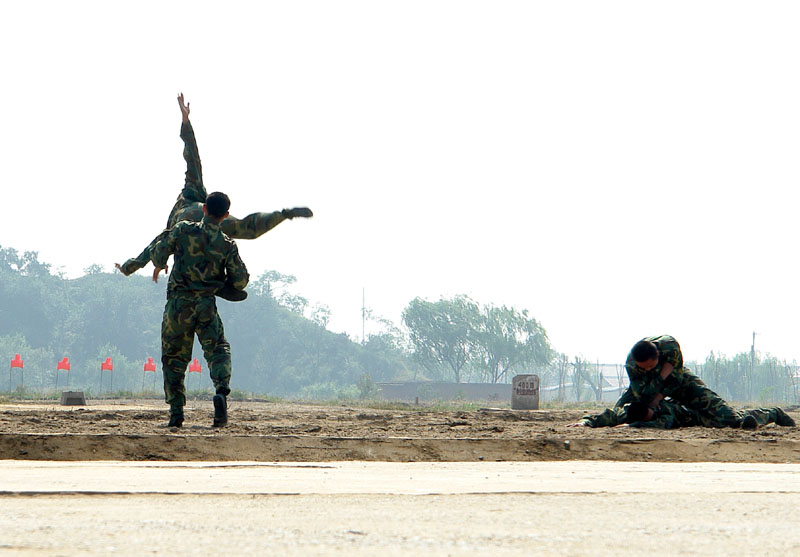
x=281, y=345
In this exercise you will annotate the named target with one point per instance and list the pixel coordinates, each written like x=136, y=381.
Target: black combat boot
x=749, y=422
x=175, y=420
x=783, y=418
x=231, y=294
x=220, y=410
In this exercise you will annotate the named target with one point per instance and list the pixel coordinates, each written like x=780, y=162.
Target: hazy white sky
x=619, y=169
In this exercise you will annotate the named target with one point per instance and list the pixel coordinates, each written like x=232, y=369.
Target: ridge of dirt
x=136, y=430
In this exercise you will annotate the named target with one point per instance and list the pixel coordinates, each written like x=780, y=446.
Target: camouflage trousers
x=763, y=416
x=183, y=318
x=249, y=228
x=690, y=391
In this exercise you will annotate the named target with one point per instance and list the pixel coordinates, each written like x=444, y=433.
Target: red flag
x=108, y=365
x=195, y=366
x=17, y=361
x=149, y=365
x=63, y=364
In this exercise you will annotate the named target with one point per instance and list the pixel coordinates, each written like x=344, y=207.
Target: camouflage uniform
x=189, y=207
x=205, y=260
x=671, y=415
x=763, y=416
x=668, y=415
x=681, y=385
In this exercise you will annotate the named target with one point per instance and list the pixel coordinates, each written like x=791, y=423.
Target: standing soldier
x=189, y=205
x=205, y=260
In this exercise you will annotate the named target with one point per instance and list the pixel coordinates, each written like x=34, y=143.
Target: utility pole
x=749, y=383
x=363, y=317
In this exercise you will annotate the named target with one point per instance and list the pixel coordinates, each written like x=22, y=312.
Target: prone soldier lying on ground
x=189, y=207
x=669, y=414
x=656, y=370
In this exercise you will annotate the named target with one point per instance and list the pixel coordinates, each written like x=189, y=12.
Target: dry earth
x=264, y=431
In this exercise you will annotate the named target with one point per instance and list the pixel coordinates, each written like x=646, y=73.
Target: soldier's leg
x=177, y=336
x=764, y=416
x=216, y=348
x=252, y=226
x=714, y=411
x=188, y=205
x=626, y=397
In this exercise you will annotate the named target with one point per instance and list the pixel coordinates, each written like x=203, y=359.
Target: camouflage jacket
x=668, y=415
x=205, y=259
x=646, y=384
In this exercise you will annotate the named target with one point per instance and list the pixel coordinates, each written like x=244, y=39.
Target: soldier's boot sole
x=231, y=294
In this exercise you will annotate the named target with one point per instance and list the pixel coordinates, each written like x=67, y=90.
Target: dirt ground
x=136, y=430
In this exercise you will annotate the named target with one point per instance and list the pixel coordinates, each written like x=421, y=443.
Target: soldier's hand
x=184, y=108
x=578, y=424
x=157, y=270
x=303, y=212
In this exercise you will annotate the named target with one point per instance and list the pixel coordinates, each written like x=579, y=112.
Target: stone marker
x=73, y=398
x=525, y=392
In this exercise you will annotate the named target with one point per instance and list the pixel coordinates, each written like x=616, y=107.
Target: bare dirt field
x=265, y=431
x=301, y=479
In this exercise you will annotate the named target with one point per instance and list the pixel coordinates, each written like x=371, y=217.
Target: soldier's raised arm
x=184, y=108
x=193, y=189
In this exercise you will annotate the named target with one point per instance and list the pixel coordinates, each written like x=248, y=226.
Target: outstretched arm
x=193, y=189
x=184, y=108
x=254, y=225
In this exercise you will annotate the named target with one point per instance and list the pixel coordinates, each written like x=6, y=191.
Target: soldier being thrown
x=189, y=205
x=205, y=259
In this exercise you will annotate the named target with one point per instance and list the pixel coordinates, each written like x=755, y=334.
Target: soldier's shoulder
x=187, y=227
x=664, y=340
x=230, y=242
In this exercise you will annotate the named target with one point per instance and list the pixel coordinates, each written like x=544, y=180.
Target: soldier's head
x=645, y=354
x=217, y=205
x=638, y=412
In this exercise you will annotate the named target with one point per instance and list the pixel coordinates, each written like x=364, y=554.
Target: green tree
x=506, y=339
x=443, y=333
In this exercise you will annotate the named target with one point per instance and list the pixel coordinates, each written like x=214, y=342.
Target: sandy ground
x=370, y=508
x=136, y=430
x=292, y=479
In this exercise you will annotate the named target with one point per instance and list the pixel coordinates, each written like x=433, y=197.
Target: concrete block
x=525, y=392
x=73, y=398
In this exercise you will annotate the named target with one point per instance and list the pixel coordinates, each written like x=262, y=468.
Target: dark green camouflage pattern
x=205, y=259
x=763, y=416
x=183, y=318
x=189, y=207
x=671, y=415
x=681, y=385
x=646, y=384
x=668, y=415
